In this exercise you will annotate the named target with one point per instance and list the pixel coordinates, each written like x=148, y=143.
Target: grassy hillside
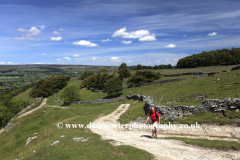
x=218, y=86
x=25, y=96
x=43, y=122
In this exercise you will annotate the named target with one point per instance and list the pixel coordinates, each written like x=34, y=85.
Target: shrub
x=86, y=75
x=45, y=88
x=113, y=87
x=71, y=93
x=143, y=77
x=123, y=71
x=96, y=81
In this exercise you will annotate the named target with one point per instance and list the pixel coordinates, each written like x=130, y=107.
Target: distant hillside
x=211, y=58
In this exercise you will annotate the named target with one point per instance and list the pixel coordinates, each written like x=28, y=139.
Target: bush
x=45, y=88
x=71, y=93
x=86, y=75
x=96, y=81
x=123, y=71
x=143, y=77
x=113, y=87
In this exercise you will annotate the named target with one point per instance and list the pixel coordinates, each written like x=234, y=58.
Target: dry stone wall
x=144, y=84
x=235, y=68
x=25, y=109
x=190, y=73
x=212, y=105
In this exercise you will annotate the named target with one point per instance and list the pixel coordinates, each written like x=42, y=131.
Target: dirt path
x=32, y=110
x=166, y=149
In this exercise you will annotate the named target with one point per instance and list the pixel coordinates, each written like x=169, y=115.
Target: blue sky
x=104, y=32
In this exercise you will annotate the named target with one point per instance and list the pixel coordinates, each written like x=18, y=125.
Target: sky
x=109, y=32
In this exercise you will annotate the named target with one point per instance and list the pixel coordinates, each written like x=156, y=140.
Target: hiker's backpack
x=155, y=114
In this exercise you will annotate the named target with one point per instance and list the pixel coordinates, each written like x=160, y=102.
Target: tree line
x=162, y=66
x=211, y=58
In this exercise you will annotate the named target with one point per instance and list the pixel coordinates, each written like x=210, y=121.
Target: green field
x=43, y=122
x=25, y=96
x=16, y=76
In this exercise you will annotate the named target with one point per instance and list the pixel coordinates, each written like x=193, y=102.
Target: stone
x=235, y=68
x=225, y=71
x=235, y=99
x=30, y=139
x=180, y=115
x=55, y=142
x=232, y=107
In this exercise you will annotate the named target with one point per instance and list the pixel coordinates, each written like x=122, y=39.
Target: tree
x=103, y=70
x=123, y=71
x=143, y=77
x=113, y=87
x=70, y=93
x=86, y=75
x=139, y=66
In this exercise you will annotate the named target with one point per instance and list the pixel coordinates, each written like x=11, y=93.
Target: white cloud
x=85, y=43
x=166, y=59
x=55, y=32
x=77, y=60
x=61, y=29
x=170, y=46
x=76, y=55
x=2, y=62
x=67, y=58
x=115, y=58
x=33, y=32
x=58, y=59
x=65, y=41
x=44, y=54
x=26, y=38
x=175, y=59
x=42, y=27
x=184, y=36
x=106, y=40
x=10, y=63
x=137, y=34
x=148, y=38
x=212, y=34
x=129, y=61
x=94, y=58
x=56, y=38
x=158, y=61
x=126, y=42
x=22, y=30
x=143, y=35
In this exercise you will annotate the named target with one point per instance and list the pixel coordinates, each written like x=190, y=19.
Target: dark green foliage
x=143, y=77
x=104, y=70
x=162, y=66
x=86, y=75
x=45, y=88
x=113, y=87
x=71, y=93
x=96, y=81
x=9, y=108
x=123, y=71
x=211, y=58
